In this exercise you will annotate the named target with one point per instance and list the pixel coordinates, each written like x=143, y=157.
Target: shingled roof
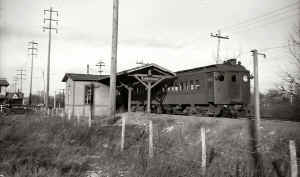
x=82, y=77
x=3, y=82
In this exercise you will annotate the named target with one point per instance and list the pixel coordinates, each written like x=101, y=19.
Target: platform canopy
x=148, y=75
x=128, y=77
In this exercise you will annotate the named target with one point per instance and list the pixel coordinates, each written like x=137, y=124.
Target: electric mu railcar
x=218, y=90
x=214, y=90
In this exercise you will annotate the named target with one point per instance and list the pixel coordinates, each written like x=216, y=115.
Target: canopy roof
x=126, y=75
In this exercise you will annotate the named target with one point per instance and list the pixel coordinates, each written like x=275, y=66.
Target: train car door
x=234, y=91
x=210, y=87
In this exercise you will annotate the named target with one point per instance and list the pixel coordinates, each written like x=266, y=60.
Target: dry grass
x=36, y=146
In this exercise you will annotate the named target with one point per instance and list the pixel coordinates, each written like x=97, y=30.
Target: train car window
x=187, y=85
x=233, y=78
x=192, y=84
x=197, y=85
x=220, y=77
x=175, y=87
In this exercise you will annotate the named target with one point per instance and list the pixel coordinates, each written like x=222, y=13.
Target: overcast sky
x=172, y=33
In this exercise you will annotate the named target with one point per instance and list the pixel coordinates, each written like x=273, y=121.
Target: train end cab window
x=233, y=78
x=220, y=77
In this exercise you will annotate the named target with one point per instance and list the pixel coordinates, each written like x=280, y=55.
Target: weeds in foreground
x=55, y=147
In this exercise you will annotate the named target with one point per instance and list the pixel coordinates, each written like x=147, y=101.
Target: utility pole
x=219, y=36
x=54, y=101
x=100, y=64
x=49, y=28
x=15, y=83
x=113, y=68
x=257, y=112
x=63, y=95
x=21, y=74
x=32, y=49
x=44, y=96
x=141, y=62
x=88, y=69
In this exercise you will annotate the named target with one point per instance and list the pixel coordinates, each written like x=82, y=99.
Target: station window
x=88, y=94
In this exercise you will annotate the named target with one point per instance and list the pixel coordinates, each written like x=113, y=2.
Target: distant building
x=3, y=87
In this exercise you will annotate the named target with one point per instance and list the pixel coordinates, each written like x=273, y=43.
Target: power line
x=259, y=24
x=266, y=15
x=275, y=47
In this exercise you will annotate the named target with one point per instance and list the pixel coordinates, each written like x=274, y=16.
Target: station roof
x=82, y=77
x=3, y=82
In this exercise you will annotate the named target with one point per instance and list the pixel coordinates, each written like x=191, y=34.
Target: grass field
x=33, y=145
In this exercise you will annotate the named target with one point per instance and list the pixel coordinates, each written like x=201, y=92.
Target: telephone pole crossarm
x=219, y=37
x=100, y=64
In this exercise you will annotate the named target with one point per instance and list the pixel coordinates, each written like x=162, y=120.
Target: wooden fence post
x=90, y=119
x=123, y=133
x=203, y=164
x=150, y=139
x=293, y=159
x=62, y=113
x=78, y=117
x=69, y=115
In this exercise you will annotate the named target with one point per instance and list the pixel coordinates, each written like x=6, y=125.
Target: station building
x=89, y=94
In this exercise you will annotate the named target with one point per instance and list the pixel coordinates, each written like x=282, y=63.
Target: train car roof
x=215, y=67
